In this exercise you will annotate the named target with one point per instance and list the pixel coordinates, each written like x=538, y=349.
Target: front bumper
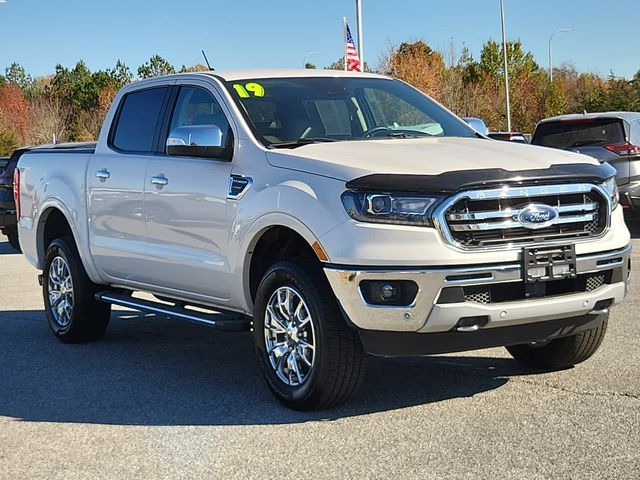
x=427, y=315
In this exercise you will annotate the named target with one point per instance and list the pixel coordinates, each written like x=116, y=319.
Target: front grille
x=489, y=218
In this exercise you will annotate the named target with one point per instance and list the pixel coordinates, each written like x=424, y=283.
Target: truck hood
x=422, y=156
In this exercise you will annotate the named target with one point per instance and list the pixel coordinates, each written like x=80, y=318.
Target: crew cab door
x=185, y=202
x=115, y=179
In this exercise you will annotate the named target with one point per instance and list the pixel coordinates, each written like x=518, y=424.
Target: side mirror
x=477, y=124
x=197, y=141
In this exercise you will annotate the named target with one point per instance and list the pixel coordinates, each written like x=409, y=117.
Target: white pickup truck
x=332, y=214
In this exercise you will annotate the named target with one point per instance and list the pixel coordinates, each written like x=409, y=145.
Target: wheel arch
x=55, y=222
x=272, y=243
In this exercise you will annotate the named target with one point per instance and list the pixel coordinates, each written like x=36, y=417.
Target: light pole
x=560, y=30
x=506, y=67
x=306, y=55
x=360, y=40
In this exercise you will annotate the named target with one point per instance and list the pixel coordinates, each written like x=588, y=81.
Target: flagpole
x=360, y=41
x=344, y=40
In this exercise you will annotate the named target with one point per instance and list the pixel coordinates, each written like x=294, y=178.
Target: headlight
x=612, y=190
x=404, y=209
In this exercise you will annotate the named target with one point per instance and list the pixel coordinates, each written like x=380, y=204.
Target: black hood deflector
x=455, y=181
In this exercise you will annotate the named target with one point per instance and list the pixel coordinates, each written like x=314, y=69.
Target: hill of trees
x=70, y=104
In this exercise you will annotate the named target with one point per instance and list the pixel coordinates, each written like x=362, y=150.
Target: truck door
x=116, y=177
x=185, y=202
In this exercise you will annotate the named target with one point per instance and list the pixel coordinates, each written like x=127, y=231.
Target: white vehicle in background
x=333, y=214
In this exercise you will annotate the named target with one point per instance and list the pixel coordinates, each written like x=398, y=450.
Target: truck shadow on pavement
x=156, y=371
x=7, y=249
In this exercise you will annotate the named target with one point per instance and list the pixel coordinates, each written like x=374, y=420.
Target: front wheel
x=309, y=357
x=73, y=313
x=562, y=352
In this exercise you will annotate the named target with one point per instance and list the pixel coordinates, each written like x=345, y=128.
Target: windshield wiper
x=588, y=141
x=302, y=141
x=403, y=135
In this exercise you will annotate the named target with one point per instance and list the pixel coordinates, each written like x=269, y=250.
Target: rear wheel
x=73, y=313
x=12, y=236
x=309, y=357
x=563, y=352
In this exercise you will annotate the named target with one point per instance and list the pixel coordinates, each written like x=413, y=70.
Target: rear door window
x=138, y=120
x=580, y=133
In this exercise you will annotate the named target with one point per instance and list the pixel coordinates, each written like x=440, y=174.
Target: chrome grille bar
x=468, y=227
x=509, y=213
x=488, y=219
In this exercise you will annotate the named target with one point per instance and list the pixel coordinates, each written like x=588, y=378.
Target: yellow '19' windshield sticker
x=249, y=89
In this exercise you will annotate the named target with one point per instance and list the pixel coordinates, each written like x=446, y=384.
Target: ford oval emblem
x=537, y=215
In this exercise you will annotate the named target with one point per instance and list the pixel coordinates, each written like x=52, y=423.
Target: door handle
x=159, y=180
x=103, y=174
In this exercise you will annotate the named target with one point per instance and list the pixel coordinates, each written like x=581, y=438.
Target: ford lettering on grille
x=537, y=215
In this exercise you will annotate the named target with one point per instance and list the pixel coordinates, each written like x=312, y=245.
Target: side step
x=219, y=321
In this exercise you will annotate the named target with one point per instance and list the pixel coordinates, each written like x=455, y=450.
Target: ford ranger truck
x=333, y=215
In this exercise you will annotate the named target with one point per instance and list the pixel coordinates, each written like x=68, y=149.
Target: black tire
x=12, y=236
x=87, y=319
x=563, y=352
x=339, y=362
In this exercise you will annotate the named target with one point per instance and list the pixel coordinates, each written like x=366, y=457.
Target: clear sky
x=277, y=33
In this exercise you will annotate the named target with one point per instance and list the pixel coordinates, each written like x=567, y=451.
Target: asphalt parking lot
x=159, y=398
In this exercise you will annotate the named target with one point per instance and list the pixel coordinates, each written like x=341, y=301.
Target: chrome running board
x=219, y=321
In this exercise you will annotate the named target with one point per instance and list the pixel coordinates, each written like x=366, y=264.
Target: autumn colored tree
x=14, y=114
x=418, y=64
x=198, y=67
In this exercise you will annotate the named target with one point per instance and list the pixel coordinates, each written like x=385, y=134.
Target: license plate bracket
x=544, y=263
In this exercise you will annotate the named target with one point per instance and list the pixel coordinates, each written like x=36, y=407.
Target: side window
x=197, y=106
x=137, y=120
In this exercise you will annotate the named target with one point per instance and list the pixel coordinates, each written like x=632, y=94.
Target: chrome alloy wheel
x=289, y=336
x=60, y=286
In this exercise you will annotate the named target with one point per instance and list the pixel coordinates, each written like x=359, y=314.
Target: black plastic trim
x=459, y=180
x=402, y=344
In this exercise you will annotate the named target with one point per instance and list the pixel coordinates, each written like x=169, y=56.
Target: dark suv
x=612, y=137
x=7, y=203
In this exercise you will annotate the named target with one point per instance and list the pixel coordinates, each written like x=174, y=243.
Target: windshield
x=285, y=112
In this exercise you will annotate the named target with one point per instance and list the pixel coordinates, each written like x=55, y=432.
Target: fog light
x=388, y=291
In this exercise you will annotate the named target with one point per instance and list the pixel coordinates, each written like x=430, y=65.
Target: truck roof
x=242, y=74
x=231, y=75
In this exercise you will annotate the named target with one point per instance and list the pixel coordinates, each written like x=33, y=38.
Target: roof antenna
x=207, y=61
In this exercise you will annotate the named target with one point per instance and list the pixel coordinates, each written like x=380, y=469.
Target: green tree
x=155, y=67
x=17, y=75
x=120, y=75
x=492, y=62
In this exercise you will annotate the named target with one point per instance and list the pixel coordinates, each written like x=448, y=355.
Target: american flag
x=353, y=59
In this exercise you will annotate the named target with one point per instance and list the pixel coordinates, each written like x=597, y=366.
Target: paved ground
x=164, y=399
